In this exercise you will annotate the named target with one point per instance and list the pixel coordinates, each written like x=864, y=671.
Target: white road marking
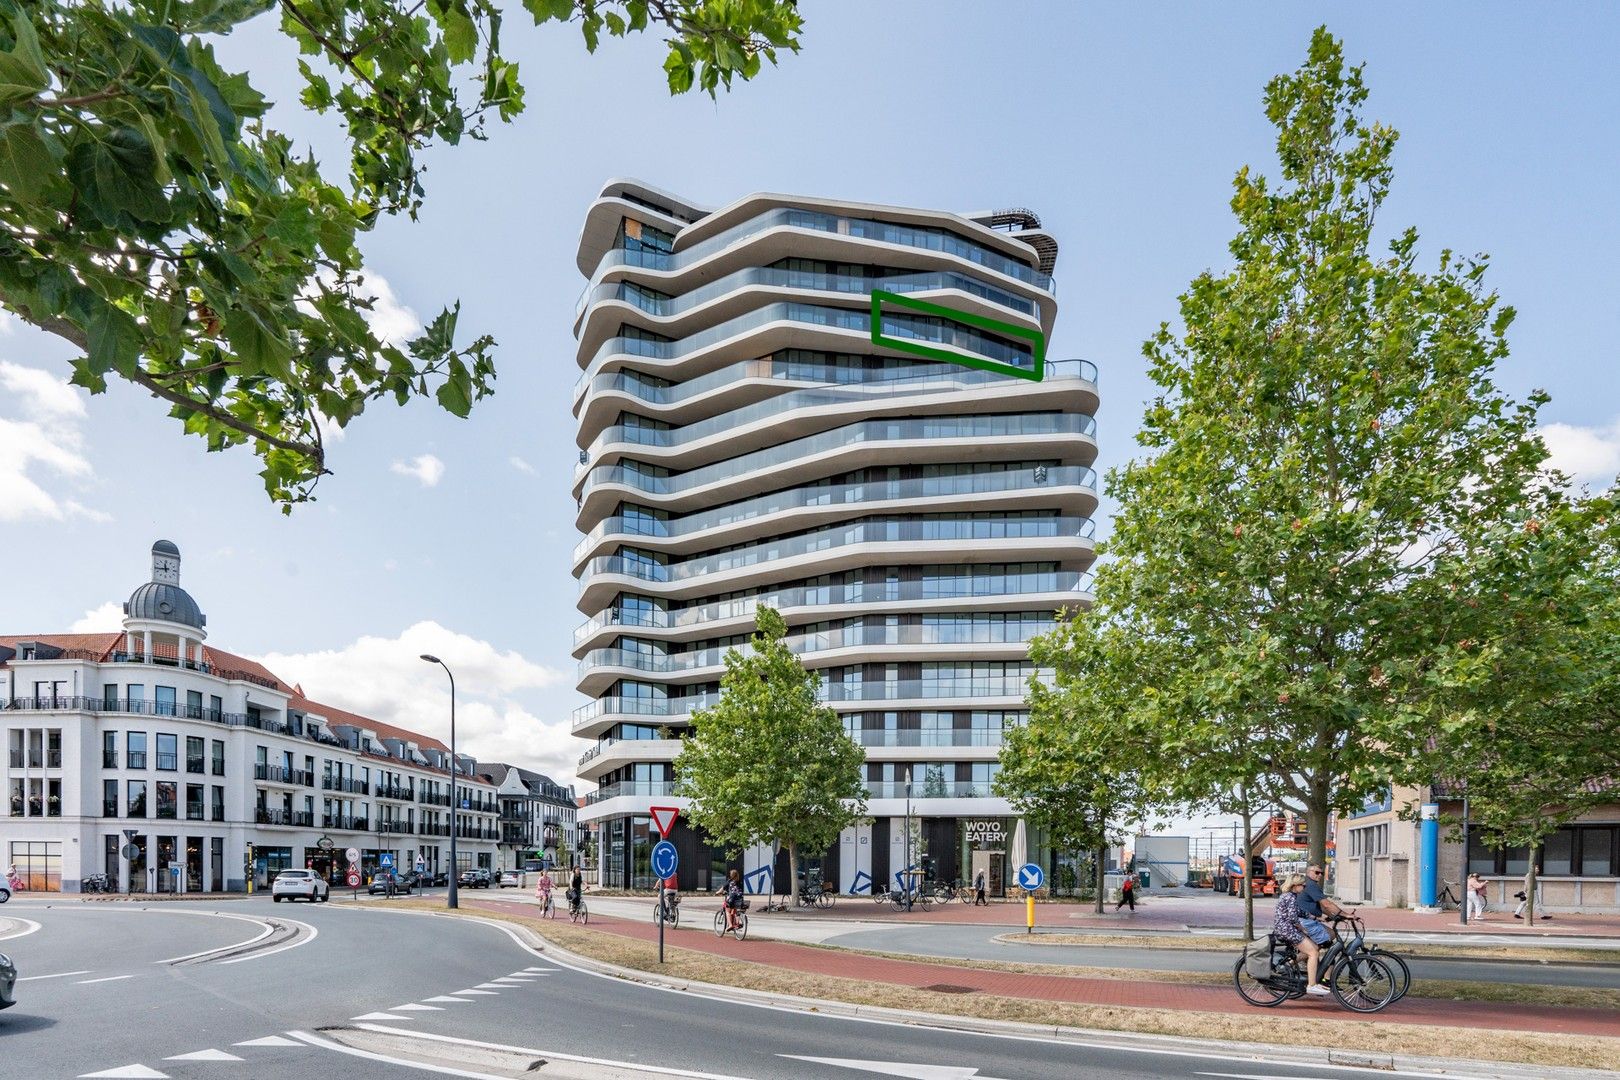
x=901, y=1068
x=416, y=1008
x=379, y=1016
x=108, y=978
x=204, y=1055
x=295, y=943
x=486, y=993
x=447, y=997
x=551, y=1054
x=512, y=980
x=128, y=1072
x=446, y=1070
x=497, y=987
x=260, y=936
x=268, y=1040
x=58, y=975
x=541, y=971
x=27, y=926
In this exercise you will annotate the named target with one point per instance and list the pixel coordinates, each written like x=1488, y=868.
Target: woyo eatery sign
x=989, y=831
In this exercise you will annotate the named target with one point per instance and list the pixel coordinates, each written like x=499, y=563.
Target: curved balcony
x=709, y=663
x=1067, y=588
x=1047, y=482
x=669, y=354
x=935, y=430
x=797, y=412
x=792, y=219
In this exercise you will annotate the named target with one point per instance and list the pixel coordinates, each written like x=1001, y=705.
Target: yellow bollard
x=1029, y=913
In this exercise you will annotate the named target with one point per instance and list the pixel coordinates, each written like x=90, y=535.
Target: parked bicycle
x=96, y=883
x=1271, y=973
x=1450, y=898
x=815, y=894
x=900, y=898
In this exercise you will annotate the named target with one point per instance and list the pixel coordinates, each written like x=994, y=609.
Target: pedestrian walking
x=1523, y=895
x=1475, y=890
x=1127, y=892
x=978, y=890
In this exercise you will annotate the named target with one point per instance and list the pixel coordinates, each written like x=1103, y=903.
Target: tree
x=1524, y=719
x=150, y=217
x=1064, y=770
x=770, y=761
x=1326, y=434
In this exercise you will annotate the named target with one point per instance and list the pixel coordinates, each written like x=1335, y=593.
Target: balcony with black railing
x=396, y=792
x=265, y=815
x=280, y=774
x=432, y=800
x=346, y=822
x=335, y=783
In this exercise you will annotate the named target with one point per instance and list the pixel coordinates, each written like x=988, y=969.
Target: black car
x=428, y=879
x=477, y=878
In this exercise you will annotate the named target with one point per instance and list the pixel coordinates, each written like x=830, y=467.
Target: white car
x=510, y=879
x=291, y=884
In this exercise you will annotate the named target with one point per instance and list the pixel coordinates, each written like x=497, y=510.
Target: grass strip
x=1532, y=1048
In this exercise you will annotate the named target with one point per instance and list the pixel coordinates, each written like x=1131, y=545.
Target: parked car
x=477, y=878
x=8, y=982
x=379, y=884
x=510, y=879
x=291, y=884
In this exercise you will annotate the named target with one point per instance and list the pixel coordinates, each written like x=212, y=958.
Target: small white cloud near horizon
x=520, y=465
x=47, y=431
x=497, y=714
x=426, y=469
x=1589, y=455
x=104, y=618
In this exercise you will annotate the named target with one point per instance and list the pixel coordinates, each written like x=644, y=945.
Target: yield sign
x=663, y=818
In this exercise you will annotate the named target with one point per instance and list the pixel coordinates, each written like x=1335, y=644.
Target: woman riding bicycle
x=542, y=890
x=576, y=890
x=733, y=891
x=1288, y=927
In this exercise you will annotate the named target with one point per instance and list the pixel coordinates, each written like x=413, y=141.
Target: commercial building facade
x=170, y=765
x=744, y=439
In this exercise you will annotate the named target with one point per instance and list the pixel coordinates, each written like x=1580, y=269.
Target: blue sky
x=1121, y=127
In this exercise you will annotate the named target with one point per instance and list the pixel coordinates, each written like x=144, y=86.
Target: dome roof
x=165, y=547
x=167, y=603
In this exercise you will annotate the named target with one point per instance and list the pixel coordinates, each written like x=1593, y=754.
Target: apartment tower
x=917, y=507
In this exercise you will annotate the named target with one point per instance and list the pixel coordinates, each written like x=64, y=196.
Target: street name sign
x=665, y=860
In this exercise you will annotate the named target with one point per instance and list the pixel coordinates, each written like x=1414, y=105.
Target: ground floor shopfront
x=188, y=857
x=873, y=853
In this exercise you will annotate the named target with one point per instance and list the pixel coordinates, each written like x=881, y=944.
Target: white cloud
x=392, y=321
x=425, y=468
x=1591, y=455
x=97, y=620
x=44, y=431
x=520, y=465
x=496, y=717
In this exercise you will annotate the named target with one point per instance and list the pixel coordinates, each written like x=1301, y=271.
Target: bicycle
x=1359, y=944
x=740, y=929
x=548, y=907
x=577, y=911
x=1448, y=900
x=1358, y=981
x=667, y=909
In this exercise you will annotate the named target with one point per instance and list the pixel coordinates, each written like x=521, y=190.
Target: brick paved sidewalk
x=1115, y=992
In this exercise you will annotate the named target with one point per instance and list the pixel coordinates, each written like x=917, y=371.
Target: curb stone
x=1256, y=1052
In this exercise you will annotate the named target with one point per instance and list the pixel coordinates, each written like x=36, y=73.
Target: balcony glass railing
x=937, y=588
x=862, y=532
x=977, y=633
x=915, y=737
x=783, y=278
x=924, y=487
x=927, y=238
x=785, y=370
x=929, y=789
x=792, y=401
x=866, y=431
x=630, y=787
x=670, y=353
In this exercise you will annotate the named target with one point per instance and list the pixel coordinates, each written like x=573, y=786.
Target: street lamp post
x=454, y=869
x=910, y=878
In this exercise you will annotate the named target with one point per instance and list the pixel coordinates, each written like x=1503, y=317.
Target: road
x=247, y=989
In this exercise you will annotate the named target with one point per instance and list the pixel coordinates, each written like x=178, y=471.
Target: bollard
x=1029, y=913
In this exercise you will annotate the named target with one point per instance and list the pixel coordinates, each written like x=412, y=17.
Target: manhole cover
x=947, y=988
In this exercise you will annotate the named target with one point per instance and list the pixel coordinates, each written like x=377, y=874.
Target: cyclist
x=733, y=891
x=671, y=898
x=542, y=891
x=1313, y=904
x=576, y=890
x=1288, y=927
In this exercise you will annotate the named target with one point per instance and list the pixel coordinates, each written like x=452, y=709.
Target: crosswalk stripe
x=486, y=993
x=447, y=997
x=416, y=1008
x=127, y=1072
x=269, y=1040
x=379, y=1016
x=204, y=1055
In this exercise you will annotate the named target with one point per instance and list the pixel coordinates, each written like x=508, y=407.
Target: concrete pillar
x=146, y=638
x=1428, y=857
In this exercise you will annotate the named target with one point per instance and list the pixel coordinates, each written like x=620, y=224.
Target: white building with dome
x=169, y=765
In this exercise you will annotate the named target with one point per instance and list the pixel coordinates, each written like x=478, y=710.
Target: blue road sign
x=1030, y=877
x=665, y=859
x=386, y=861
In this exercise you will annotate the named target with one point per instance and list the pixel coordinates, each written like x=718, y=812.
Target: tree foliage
x=151, y=217
x=1326, y=436
x=770, y=761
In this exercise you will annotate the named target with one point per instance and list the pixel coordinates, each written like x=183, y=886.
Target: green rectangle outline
x=932, y=352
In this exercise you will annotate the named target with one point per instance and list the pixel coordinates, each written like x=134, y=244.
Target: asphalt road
x=105, y=994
